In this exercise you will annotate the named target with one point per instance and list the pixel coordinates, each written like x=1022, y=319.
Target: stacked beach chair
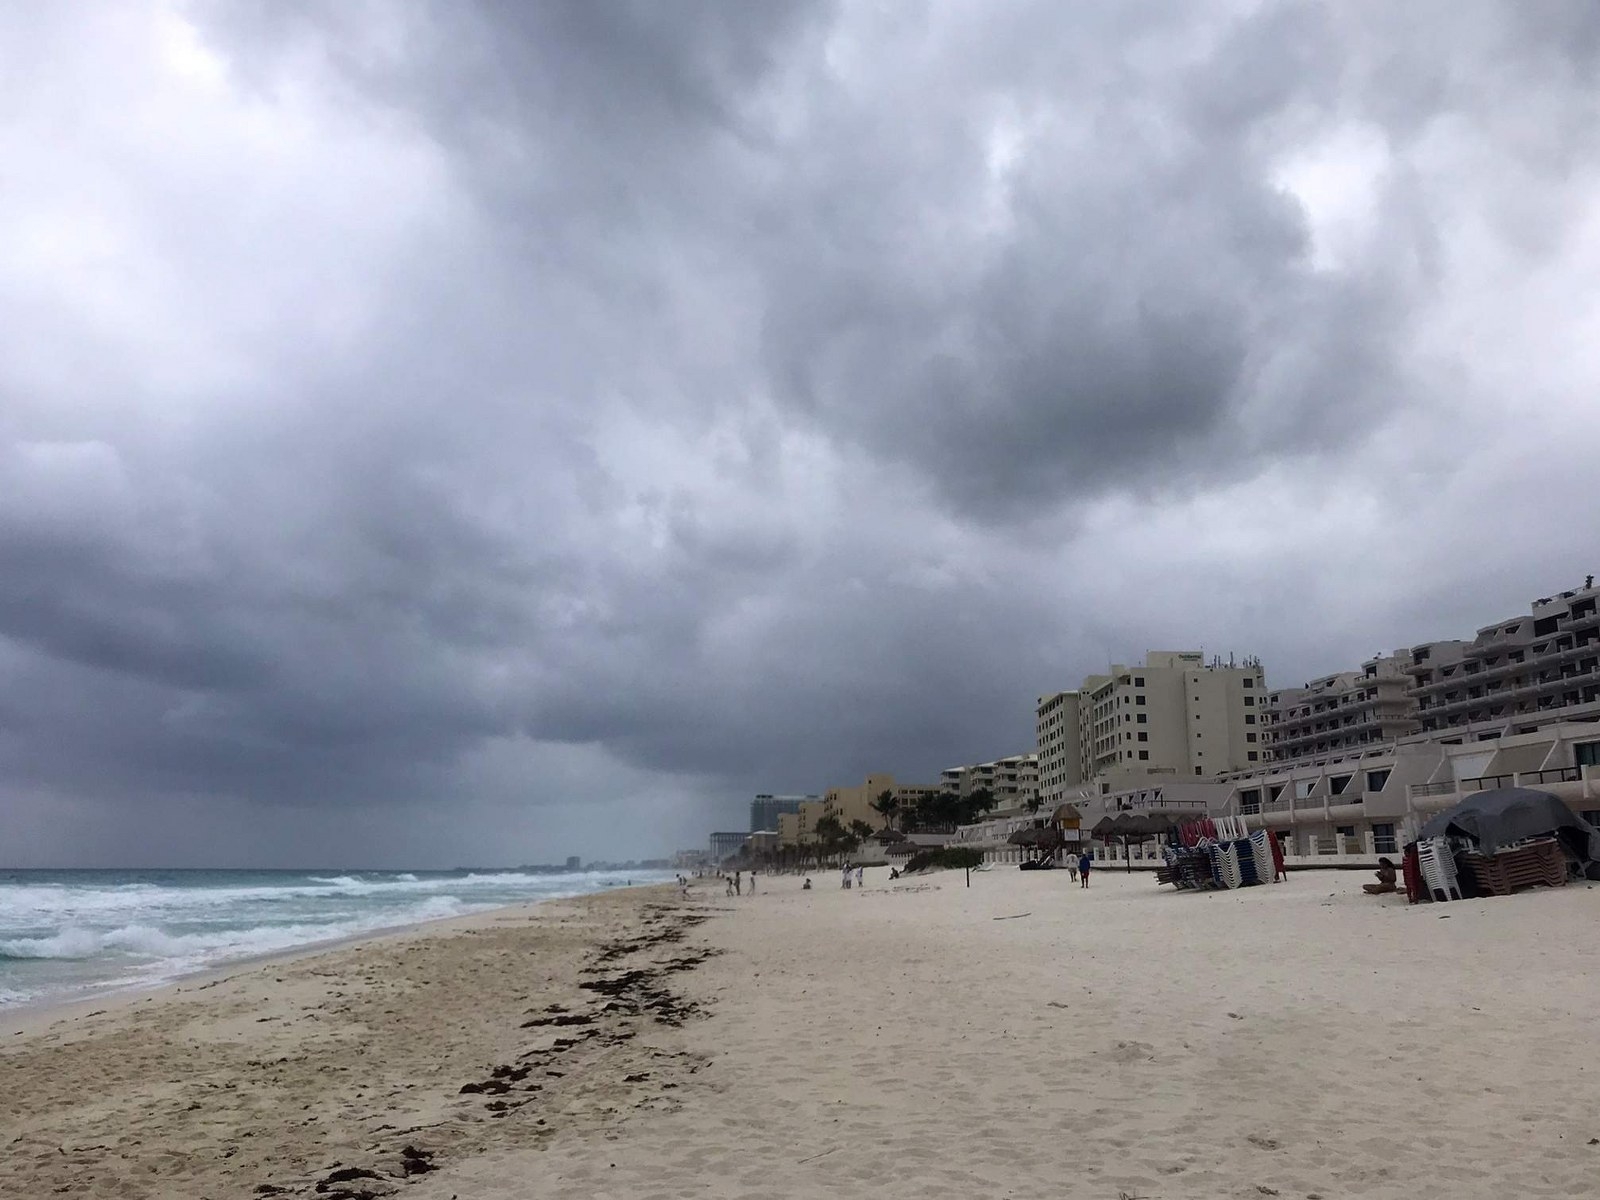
x=1438, y=869
x=1536, y=862
x=1261, y=850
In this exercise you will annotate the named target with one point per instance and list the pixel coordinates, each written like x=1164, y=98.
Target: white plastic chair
x=1438, y=869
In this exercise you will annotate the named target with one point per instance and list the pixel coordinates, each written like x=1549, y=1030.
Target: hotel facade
x=1011, y=781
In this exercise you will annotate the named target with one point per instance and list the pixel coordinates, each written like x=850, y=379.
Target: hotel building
x=848, y=804
x=1517, y=676
x=765, y=809
x=799, y=827
x=1174, y=715
x=1344, y=711
x=1011, y=781
x=1060, y=751
x=1371, y=802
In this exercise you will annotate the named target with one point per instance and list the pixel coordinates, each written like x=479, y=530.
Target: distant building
x=1011, y=781
x=765, y=809
x=689, y=860
x=1344, y=711
x=798, y=828
x=574, y=863
x=727, y=845
x=847, y=804
x=1060, y=753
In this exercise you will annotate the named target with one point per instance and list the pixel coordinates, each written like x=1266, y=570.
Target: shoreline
x=415, y=1042
x=30, y=1017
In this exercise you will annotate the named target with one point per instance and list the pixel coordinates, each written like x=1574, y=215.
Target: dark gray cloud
x=443, y=431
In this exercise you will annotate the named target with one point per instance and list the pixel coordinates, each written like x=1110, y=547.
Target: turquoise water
x=69, y=934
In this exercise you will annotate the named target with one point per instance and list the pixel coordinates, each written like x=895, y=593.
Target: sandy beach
x=1020, y=1037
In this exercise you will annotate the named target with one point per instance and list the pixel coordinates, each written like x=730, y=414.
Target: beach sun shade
x=1104, y=828
x=1497, y=818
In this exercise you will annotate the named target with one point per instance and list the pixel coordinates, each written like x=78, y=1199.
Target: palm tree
x=886, y=805
x=831, y=836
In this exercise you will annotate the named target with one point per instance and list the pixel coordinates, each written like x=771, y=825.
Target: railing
x=1484, y=783
x=1446, y=788
x=1553, y=775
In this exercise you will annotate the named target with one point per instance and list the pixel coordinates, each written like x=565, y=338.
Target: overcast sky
x=440, y=433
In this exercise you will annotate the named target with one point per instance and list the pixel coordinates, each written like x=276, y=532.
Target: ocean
x=67, y=935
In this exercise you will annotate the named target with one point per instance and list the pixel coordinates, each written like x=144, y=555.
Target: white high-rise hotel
x=1175, y=715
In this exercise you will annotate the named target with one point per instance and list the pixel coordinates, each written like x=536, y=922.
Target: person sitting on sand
x=806, y=886
x=1386, y=880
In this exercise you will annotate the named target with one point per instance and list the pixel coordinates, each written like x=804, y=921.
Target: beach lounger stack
x=1245, y=854
x=1538, y=862
x=1438, y=869
x=1261, y=851
x=1226, y=856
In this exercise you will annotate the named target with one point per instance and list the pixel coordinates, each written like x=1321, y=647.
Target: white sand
x=1298, y=1040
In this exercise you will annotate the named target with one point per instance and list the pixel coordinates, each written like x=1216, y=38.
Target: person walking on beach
x=1084, y=863
x=1072, y=867
x=859, y=871
x=738, y=883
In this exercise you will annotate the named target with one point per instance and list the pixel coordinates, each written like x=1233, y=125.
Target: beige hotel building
x=1174, y=715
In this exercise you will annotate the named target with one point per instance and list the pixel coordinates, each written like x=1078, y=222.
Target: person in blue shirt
x=1084, y=863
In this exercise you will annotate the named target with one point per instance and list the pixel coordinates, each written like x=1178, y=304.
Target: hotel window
x=1144, y=754
x=1138, y=699
x=1375, y=783
x=1338, y=784
x=1138, y=681
x=1249, y=683
x=1252, y=756
x=1249, y=718
x=1383, y=839
x=1249, y=700
x=1140, y=719
x=1249, y=737
x=1143, y=736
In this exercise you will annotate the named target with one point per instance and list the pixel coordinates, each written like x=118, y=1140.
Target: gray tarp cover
x=1497, y=818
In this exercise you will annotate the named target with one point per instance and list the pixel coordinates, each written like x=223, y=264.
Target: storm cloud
x=447, y=432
